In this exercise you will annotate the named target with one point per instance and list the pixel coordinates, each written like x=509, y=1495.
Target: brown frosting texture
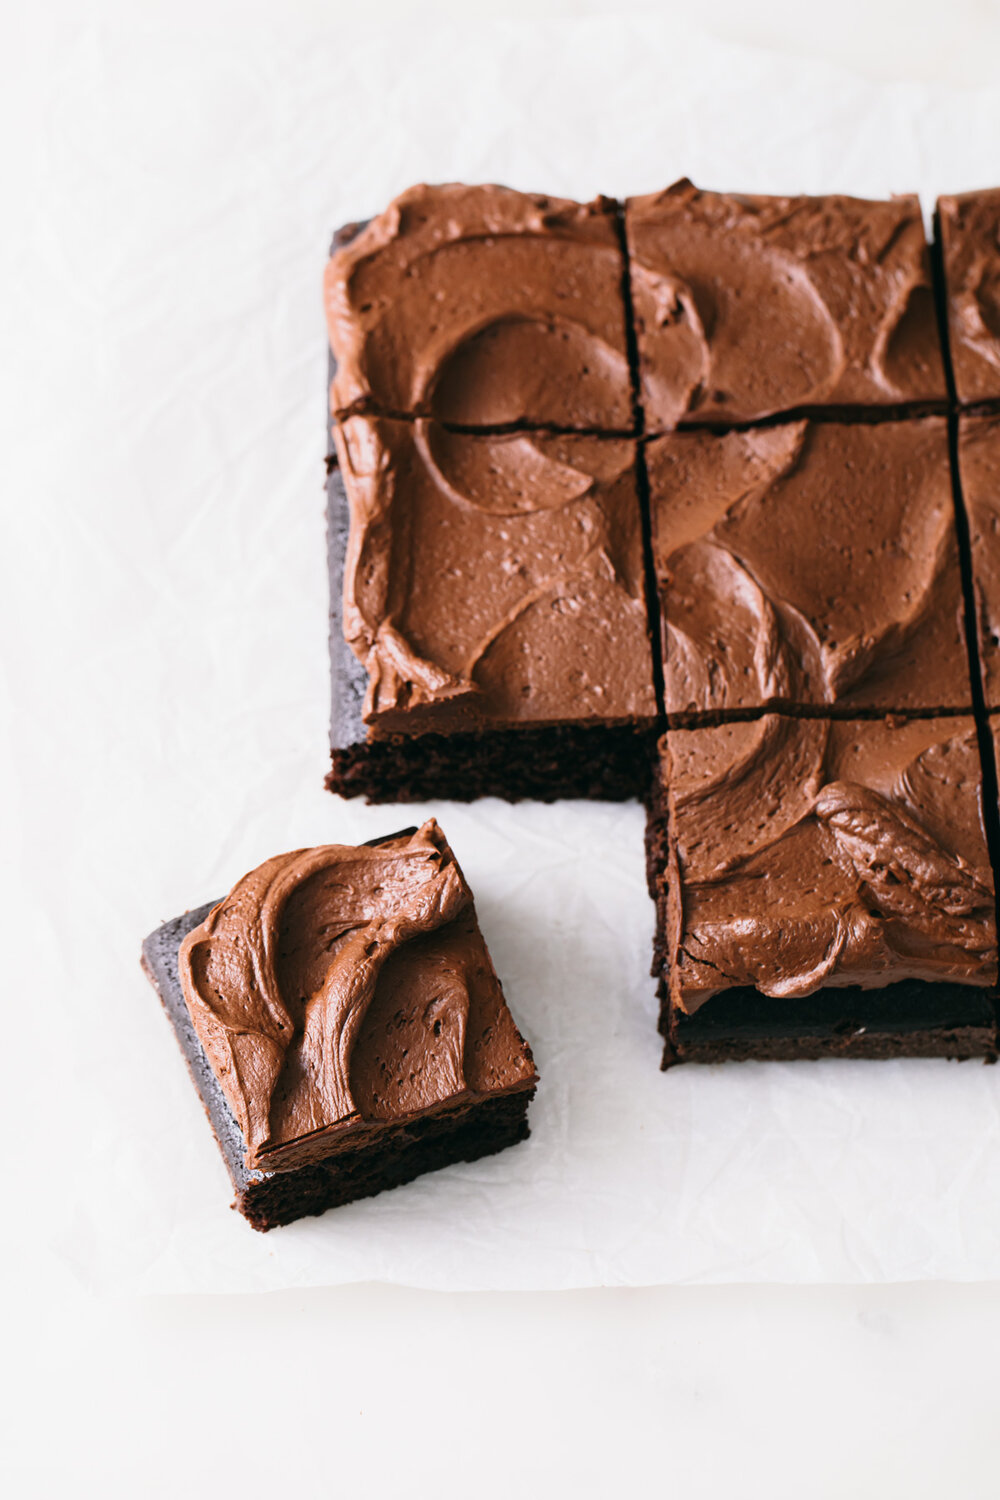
x=810, y=853
x=969, y=229
x=979, y=466
x=747, y=306
x=338, y=987
x=493, y=579
x=482, y=306
x=809, y=564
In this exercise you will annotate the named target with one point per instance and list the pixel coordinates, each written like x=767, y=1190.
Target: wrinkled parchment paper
x=165, y=602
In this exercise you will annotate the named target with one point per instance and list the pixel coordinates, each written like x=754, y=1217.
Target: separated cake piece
x=494, y=614
x=968, y=227
x=750, y=306
x=809, y=564
x=826, y=890
x=482, y=306
x=979, y=466
x=343, y=1024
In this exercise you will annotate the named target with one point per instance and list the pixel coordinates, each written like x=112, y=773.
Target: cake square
x=979, y=468
x=968, y=228
x=343, y=1024
x=827, y=891
x=483, y=307
x=749, y=306
x=812, y=564
x=491, y=593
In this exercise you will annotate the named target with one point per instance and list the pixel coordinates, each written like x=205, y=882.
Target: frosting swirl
x=493, y=579
x=809, y=564
x=335, y=987
x=748, y=306
x=482, y=306
x=809, y=853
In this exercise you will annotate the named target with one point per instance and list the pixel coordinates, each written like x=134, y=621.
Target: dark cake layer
x=545, y=765
x=908, y=1019
x=404, y=1150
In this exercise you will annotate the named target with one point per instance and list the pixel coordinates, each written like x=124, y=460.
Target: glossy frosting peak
x=493, y=579
x=810, y=564
x=337, y=986
x=482, y=306
x=748, y=306
x=805, y=853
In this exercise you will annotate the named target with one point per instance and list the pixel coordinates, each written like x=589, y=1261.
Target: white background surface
x=160, y=441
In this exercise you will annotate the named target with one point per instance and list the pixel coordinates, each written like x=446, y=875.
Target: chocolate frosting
x=493, y=579
x=338, y=987
x=808, y=853
x=969, y=228
x=809, y=564
x=482, y=306
x=979, y=465
x=747, y=306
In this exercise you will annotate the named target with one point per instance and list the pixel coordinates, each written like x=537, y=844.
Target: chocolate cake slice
x=343, y=1024
x=968, y=230
x=823, y=889
x=750, y=306
x=489, y=631
x=482, y=307
x=811, y=565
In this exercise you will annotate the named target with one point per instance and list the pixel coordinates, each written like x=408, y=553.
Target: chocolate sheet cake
x=343, y=1023
x=602, y=471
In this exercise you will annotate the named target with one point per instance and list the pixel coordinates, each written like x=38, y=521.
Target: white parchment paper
x=164, y=611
